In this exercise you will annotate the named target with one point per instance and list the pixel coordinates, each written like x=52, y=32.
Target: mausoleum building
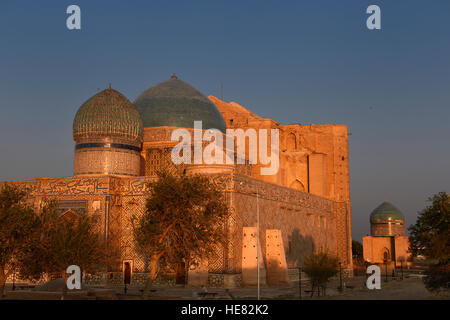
x=387, y=243
x=304, y=207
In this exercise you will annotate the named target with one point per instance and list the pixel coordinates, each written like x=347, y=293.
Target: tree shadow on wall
x=299, y=247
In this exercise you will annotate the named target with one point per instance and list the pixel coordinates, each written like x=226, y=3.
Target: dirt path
x=411, y=288
x=407, y=289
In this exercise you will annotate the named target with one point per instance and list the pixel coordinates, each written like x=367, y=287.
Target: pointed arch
x=297, y=185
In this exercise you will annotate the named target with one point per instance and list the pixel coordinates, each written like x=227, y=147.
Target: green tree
x=183, y=222
x=359, y=266
x=357, y=250
x=437, y=276
x=320, y=267
x=61, y=241
x=17, y=225
x=430, y=237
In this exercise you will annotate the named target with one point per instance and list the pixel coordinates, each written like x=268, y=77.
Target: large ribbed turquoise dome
x=175, y=103
x=108, y=114
x=386, y=212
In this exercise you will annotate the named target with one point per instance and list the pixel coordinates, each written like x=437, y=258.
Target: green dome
x=108, y=114
x=175, y=103
x=385, y=212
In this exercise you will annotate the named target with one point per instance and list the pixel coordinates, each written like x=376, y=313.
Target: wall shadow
x=299, y=247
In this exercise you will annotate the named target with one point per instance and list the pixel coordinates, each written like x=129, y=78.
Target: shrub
x=320, y=267
x=438, y=276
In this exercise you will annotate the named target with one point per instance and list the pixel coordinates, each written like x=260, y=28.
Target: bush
x=438, y=276
x=357, y=250
x=320, y=267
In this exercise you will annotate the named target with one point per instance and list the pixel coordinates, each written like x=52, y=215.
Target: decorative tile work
x=387, y=228
x=137, y=279
x=158, y=159
x=215, y=280
x=119, y=198
x=182, y=105
x=79, y=207
x=108, y=113
x=97, y=145
x=216, y=262
x=220, y=280
x=342, y=233
x=107, y=161
x=131, y=206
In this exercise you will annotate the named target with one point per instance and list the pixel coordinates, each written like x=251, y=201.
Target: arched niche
x=297, y=185
x=291, y=142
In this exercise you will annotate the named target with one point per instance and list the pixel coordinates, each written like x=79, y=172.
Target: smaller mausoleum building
x=387, y=242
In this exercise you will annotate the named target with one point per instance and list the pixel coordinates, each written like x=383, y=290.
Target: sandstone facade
x=307, y=201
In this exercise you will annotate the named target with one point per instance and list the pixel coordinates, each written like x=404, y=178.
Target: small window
x=231, y=121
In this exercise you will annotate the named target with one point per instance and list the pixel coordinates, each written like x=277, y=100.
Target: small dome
x=386, y=212
x=175, y=103
x=108, y=114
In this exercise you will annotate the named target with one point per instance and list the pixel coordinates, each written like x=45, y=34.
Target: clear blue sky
x=293, y=61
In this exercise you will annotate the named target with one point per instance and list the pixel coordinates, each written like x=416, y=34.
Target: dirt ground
x=410, y=288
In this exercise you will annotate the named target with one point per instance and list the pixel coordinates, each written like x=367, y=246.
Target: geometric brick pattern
x=343, y=234
x=160, y=158
x=288, y=210
x=307, y=222
x=106, y=161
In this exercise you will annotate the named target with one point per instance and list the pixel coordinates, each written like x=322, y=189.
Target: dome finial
x=174, y=76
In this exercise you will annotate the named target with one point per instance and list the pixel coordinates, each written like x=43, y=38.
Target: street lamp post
x=14, y=278
x=386, y=272
x=366, y=265
x=340, y=277
x=401, y=268
x=300, y=282
x=257, y=238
